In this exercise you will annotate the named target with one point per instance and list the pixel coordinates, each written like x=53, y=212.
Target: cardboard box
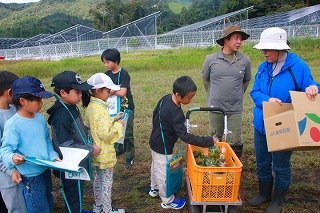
x=293, y=126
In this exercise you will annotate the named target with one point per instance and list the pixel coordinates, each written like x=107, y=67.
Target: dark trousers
x=128, y=147
x=129, y=139
x=71, y=190
x=3, y=207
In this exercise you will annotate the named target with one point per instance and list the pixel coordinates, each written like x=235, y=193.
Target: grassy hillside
x=51, y=16
x=152, y=74
x=46, y=16
x=7, y=9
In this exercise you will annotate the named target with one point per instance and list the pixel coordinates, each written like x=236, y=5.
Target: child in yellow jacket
x=105, y=131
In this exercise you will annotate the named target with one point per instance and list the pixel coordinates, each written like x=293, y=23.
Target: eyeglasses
x=265, y=50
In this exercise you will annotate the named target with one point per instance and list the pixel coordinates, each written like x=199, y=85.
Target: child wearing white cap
x=105, y=132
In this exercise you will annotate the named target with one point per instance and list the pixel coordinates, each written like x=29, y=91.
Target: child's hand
x=121, y=121
x=18, y=159
x=16, y=177
x=96, y=150
x=118, y=116
x=215, y=140
x=58, y=159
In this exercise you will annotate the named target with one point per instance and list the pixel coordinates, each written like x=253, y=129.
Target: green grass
x=152, y=74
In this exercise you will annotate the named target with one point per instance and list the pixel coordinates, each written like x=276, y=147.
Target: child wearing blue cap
x=9, y=178
x=27, y=134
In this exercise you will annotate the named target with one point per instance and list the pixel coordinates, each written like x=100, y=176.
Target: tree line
x=113, y=13
x=51, y=16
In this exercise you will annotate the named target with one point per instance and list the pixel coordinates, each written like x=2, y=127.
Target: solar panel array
x=80, y=40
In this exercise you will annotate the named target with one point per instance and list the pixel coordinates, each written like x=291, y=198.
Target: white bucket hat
x=273, y=38
x=101, y=80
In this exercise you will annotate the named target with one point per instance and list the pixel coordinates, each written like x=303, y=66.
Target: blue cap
x=30, y=85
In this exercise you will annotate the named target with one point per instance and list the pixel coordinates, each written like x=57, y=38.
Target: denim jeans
x=268, y=162
x=37, y=192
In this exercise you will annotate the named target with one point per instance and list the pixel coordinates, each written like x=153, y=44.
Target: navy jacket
x=173, y=127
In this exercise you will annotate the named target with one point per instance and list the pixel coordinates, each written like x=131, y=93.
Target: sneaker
x=177, y=203
x=115, y=210
x=154, y=192
x=97, y=209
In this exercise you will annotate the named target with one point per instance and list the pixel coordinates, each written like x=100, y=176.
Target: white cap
x=101, y=80
x=273, y=38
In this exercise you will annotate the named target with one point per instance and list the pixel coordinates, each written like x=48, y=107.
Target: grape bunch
x=215, y=157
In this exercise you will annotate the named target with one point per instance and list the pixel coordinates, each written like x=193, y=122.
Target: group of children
x=27, y=187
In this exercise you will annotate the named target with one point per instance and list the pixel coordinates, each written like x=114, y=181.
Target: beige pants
x=234, y=124
x=158, y=175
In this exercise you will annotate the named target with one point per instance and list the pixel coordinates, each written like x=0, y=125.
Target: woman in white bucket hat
x=281, y=72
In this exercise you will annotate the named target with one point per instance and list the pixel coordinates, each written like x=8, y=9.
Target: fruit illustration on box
x=315, y=134
x=314, y=131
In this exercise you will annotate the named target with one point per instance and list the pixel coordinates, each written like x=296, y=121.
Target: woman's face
x=271, y=55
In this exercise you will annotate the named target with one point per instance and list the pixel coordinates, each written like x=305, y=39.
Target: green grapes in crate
x=215, y=157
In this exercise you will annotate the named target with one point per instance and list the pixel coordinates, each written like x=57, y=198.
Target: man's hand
x=18, y=159
x=16, y=177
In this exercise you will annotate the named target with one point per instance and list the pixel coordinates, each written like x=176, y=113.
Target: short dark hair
x=183, y=85
x=57, y=90
x=111, y=55
x=6, y=80
x=16, y=99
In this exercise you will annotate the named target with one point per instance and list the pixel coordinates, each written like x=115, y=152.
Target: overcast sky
x=18, y=1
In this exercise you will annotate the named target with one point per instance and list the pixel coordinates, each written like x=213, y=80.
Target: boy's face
x=187, y=98
x=72, y=98
x=7, y=96
x=110, y=65
x=31, y=107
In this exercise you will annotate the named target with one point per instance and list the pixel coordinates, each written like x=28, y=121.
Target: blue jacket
x=266, y=86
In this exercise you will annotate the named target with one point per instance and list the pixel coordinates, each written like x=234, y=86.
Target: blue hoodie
x=266, y=86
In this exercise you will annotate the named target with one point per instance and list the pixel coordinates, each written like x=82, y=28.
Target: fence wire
x=166, y=41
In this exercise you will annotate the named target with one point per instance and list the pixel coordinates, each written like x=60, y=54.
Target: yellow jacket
x=105, y=132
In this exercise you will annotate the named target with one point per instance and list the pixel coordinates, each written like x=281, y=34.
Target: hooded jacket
x=267, y=86
x=66, y=131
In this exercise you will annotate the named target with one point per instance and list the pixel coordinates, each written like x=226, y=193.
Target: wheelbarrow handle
x=208, y=109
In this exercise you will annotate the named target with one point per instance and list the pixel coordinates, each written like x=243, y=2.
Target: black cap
x=70, y=79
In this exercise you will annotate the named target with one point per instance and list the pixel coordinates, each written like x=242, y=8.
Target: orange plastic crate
x=214, y=184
